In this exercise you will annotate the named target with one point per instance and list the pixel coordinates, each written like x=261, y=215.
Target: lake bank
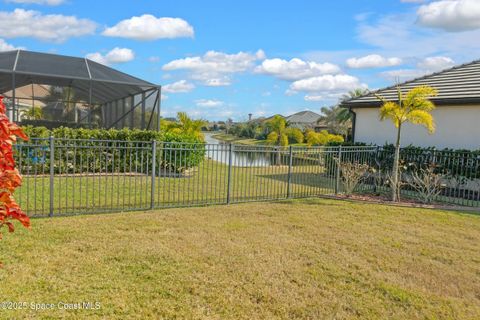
x=237, y=140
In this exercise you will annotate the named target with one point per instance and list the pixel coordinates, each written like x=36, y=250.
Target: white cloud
x=4, y=46
x=436, y=63
x=148, y=27
x=450, y=15
x=295, y=69
x=325, y=88
x=424, y=67
x=314, y=98
x=326, y=83
x=181, y=86
x=217, y=82
x=215, y=68
x=402, y=75
x=116, y=55
x=209, y=103
x=398, y=35
x=373, y=61
x=42, y=2
x=51, y=27
x=322, y=97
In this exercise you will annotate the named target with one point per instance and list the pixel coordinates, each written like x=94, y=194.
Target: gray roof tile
x=457, y=85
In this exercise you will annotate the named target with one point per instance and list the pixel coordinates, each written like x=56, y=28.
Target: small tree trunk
x=279, y=156
x=396, y=160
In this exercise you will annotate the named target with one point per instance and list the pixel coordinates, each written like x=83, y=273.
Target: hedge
x=458, y=163
x=122, y=150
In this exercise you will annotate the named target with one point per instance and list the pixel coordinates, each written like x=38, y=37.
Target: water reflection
x=242, y=157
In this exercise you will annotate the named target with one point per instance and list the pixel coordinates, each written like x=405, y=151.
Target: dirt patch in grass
x=304, y=259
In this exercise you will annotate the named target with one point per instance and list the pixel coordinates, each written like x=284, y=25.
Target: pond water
x=242, y=157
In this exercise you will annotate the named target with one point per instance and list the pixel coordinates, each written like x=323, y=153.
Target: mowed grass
x=238, y=140
x=245, y=141
x=303, y=259
x=205, y=184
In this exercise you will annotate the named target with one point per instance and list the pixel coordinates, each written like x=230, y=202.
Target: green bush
x=294, y=135
x=322, y=138
x=98, y=150
x=459, y=163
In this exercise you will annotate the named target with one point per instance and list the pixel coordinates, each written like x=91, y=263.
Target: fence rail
x=63, y=177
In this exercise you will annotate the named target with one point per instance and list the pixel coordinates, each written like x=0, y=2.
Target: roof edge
x=437, y=102
x=369, y=93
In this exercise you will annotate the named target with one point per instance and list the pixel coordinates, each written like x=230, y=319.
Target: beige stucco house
x=457, y=115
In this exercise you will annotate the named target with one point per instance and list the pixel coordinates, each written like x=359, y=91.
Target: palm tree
x=277, y=135
x=187, y=125
x=344, y=114
x=338, y=119
x=355, y=93
x=414, y=107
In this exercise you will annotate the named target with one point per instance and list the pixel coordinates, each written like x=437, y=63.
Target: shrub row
x=108, y=151
x=458, y=163
x=463, y=164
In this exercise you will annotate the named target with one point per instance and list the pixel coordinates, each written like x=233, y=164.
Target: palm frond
x=423, y=118
x=421, y=93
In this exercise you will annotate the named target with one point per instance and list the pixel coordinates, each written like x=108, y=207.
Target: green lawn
x=238, y=140
x=206, y=184
x=231, y=138
x=303, y=259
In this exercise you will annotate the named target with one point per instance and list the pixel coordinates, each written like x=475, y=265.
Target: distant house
x=457, y=115
x=303, y=120
x=263, y=119
x=321, y=125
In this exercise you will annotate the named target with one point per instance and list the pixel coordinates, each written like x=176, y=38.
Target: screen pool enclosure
x=55, y=90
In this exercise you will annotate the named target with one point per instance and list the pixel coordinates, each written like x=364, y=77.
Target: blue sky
x=221, y=59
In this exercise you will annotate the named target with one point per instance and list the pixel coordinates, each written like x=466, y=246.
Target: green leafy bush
x=107, y=151
x=294, y=135
x=460, y=163
x=322, y=138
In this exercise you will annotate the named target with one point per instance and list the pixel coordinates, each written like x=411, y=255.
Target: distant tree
x=414, y=107
x=277, y=128
x=338, y=119
x=355, y=93
x=321, y=138
x=185, y=124
x=294, y=135
x=35, y=113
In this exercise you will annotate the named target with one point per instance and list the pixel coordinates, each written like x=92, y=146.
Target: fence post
x=52, y=163
x=154, y=160
x=378, y=167
x=337, y=174
x=289, y=180
x=229, y=178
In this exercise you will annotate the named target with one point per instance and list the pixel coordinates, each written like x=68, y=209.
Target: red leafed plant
x=10, y=178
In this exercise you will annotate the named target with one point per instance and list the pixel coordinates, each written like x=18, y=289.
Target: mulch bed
x=411, y=203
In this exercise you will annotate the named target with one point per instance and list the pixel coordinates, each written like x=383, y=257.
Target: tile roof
x=457, y=85
x=303, y=117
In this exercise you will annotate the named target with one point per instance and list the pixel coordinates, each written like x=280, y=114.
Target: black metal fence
x=62, y=177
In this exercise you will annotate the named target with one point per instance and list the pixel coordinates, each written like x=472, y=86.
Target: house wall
x=457, y=127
